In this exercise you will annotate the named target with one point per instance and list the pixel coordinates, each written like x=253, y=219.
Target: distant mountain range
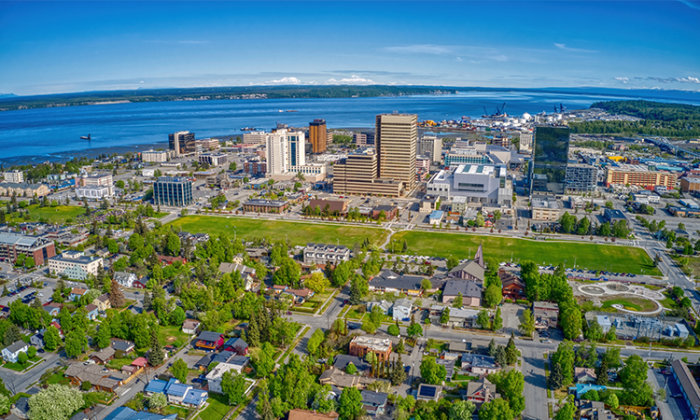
x=9, y=101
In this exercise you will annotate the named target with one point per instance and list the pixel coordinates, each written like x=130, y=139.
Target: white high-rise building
x=14, y=176
x=285, y=151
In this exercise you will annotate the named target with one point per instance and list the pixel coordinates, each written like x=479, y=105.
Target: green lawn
x=668, y=302
x=119, y=363
x=634, y=304
x=182, y=412
x=589, y=256
x=172, y=335
x=298, y=233
x=57, y=214
x=217, y=409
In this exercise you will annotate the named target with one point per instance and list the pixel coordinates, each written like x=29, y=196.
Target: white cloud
x=689, y=79
x=356, y=79
x=285, y=81
x=622, y=79
x=565, y=48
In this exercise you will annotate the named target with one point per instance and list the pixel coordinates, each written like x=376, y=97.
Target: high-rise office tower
x=431, y=146
x=172, y=191
x=317, y=136
x=396, y=139
x=285, y=150
x=549, y=160
x=181, y=142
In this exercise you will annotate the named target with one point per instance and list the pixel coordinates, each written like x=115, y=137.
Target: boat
x=85, y=137
x=248, y=129
x=281, y=110
x=292, y=110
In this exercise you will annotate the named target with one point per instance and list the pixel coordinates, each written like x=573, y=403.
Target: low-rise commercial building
x=390, y=282
x=14, y=244
x=546, y=314
x=13, y=176
x=93, y=192
x=97, y=180
x=154, y=156
x=22, y=189
x=470, y=290
x=640, y=176
x=358, y=174
x=688, y=385
x=255, y=167
x=483, y=184
x=547, y=210
x=74, y=265
x=266, y=206
x=202, y=145
x=213, y=159
x=690, y=184
x=361, y=345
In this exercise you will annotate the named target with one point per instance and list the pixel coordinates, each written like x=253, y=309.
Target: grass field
x=298, y=233
x=57, y=214
x=633, y=304
x=217, y=409
x=589, y=256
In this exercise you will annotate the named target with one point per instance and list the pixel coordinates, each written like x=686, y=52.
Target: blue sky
x=67, y=47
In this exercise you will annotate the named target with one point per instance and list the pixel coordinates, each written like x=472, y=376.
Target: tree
x=611, y=357
x=458, y=301
x=172, y=244
x=398, y=374
x=177, y=317
x=556, y=378
x=180, y=370
x=156, y=357
x=12, y=335
x=612, y=401
x=400, y=348
x=511, y=385
x=500, y=356
x=264, y=361
x=323, y=401
x=350, y=404
x=527, y=323
x=425, y=284
x=492, y=348
x=233, y=386
x=452, y=262
x=445, y=316
x=497, y=409
x=565, y=357
x=462, y=410
x=57, y=402
x=497, y=321
x=315, y=342
x=394, y=330
x=31, y=352
x=567, y=412
x=633, y=377
x=483, y=319
x=76, y=343
x=493, y=295
x=414, y=331
x=157, y=401
x=22, y=358
x=431, y=372
x=571, y=322
x=594, y=331
x=116, y=295
x=5, y=404
x=351, y=369
x=289, y=273
x=511, y=352
x=317, y=282
x=52, y=338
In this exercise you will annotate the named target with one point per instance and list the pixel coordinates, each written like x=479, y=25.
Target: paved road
x=20, y=382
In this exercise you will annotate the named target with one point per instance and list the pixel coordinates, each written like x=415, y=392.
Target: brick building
x=14, y=244
x=360, y=346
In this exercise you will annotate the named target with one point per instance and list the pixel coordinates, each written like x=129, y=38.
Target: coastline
x=61, y=157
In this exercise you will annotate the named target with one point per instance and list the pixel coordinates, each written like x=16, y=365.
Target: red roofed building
x=165, y=259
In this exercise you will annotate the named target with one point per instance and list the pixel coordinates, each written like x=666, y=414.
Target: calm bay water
x=38, y=135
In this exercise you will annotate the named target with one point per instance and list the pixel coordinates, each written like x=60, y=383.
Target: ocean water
x=38, y=135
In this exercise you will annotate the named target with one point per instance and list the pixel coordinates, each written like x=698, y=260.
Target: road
x=20, y=382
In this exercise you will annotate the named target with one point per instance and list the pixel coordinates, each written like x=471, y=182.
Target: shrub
x=86, y=386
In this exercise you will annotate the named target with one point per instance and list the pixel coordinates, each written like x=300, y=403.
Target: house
x=214, y=377
x=155, y=386
x=340, y=379
x=361, y=345
x=247, y=273
x=125, y=279
x=140, y=283
x=236, y=345
x=391, y=282
x=103, y=356
x=102, y=303
x=584, y=375
x=298, y=414
x=126, y=413
x=402, y=309
x=122, y=347
x=594, y=410
x=479, y=364
x=279, y=288
x=513, y=287
x=37, y=340
x=195, y=398
x=374, y=403
x=343, y=360
x=136, y=367
x=322, y=254
x=191, y=326
x=449, y=364
x=469, y=289
x=546, y=314
x=208, y=340
x=11, y=352
x=462, y=318
x=427, y=392
x=460, y=347
x=58, y=327
x=76, y=293
x=384, y=305
x=435, y=218
x=480, y=392
x=99, y=377
x=53, y=308
x=21, y=408
x=91, y=312
x=580, y=389
x=299, y=295
x=688, y=385
x=176, y=391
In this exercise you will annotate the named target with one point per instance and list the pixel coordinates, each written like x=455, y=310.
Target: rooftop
x=381, y=345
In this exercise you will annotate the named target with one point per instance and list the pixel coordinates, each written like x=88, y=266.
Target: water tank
x=527, y=116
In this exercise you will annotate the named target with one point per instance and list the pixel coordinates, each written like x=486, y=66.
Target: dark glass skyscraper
x=549, y=161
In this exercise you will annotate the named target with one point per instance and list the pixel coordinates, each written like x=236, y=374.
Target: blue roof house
x=435, y=217
x=195, y=398
x=176, y=391
x=156, y=386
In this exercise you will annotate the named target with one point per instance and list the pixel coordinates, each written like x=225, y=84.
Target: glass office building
x=171, y=191
x=549, y=161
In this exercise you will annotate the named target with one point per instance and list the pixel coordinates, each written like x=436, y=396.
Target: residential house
x=584, y=375
x=141, y=283
x=122, y=347
x=37, y=340
x=391, y=282
x=322, y=254
x=374, y=403
x=460, y=347
x=513, y=287
x=11, y=352
x=546, y=314
x=103, y=356
x=126, y=413
x=343, y=360
x=102, y=303
x=298, y=414
x=299, y=295
x=462, y=318
x=209, y=340
x=448, y=361
x=236, y=345
x=479, y=364
x=247, y=273
x=580, y=389
x=427, y=392
x=99, y=377
x=361, y=345
x=125, y=279
x=195, y=398
x=191, y=326
x=594, y=410
x=53, y=308
x=480, y=392
x=76, y=294
x=20, y=408
x=168, y=260
x=469, y=289
x=384, y=306
x=91, y=312
x=340, y=379
x=136, y=367
x=155, y=386
x=401, y=311
x=176, y=391
x=215, y=376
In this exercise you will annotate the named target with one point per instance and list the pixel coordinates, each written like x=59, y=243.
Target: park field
x=58, y=214
x=298, y=233
x=614, y=258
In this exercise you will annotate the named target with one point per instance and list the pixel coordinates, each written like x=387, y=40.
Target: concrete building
x=389, y=282
x=396, y=146
x=284, y=150
x=690, y=184
x=154, y=156
x=325, y=254
x=172, y=191
x=317, y=135
x=639, y=175
x=361, y=345
x=23, y=189
x=360, y=139
x=202, y=145
x=14, y=244
x=266, y=206
x=213, y=159
x=255, y=137
x=97, y=180
x=483, y=184
x=13, y=176
x=74, y=265
x=359, y=174
x=581, y=177
x=526, y=142
x=456, y=157
x=181, y=143
x=93, y=192
x=546, y=210
x=431, y=146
